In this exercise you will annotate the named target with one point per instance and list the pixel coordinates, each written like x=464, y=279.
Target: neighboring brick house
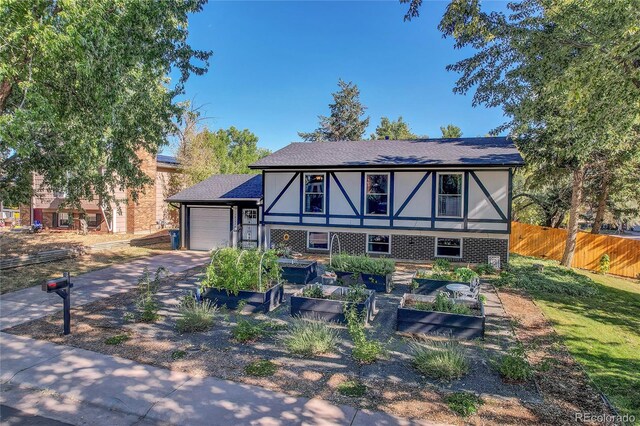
x=409, y=200
x=148, y=214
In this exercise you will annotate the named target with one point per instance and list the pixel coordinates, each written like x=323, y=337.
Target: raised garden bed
x=330, y=306
x=249, y=301
x=413, y=318
x=374, y=273
x=297, y=271
x=431, y=286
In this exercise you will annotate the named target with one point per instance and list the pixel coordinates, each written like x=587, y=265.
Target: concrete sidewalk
x=32, y=303
x=134, y=393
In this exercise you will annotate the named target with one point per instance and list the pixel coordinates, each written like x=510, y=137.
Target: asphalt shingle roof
x=222, y=188
x=168, y=159
x=496, y=151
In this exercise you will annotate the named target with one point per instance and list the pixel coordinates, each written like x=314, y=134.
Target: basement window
x=449, y=247
x=318, y=240
x=379, y=244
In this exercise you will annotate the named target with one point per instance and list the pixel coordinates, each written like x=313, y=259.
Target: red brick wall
x=141, y=216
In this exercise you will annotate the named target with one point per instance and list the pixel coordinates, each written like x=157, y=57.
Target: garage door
x=208, y=228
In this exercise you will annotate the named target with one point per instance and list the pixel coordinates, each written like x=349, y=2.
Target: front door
x=249, y=237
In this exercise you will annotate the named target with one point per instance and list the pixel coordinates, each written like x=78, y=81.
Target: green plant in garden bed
x=362, y=264
x=117, y=339
x=441, y=303
x=235, y=269
x=308, y=337
x=261, y=368
x=355, y=294
x=250, y=330
x=364, y=350
x=440, y=360
x=464, y=404
x=485, y=269
x=352, y=388
x=514, y=365
x=439, y=274
x=194, y=315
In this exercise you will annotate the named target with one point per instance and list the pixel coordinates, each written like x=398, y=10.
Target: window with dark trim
x=450, y=194
x=379, y=244
x=377, y=193
x=448, y=247
x=313, y=193
x=63, y=219
x=318, y=240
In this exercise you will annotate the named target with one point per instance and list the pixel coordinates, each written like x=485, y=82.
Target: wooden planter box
x=330, y=310
x=380, y=283
x=442, y=323
x=252, y=301
x=297, y=271
x=430, y=286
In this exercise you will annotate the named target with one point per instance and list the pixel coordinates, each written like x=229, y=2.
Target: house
x=409, y=200
x=150, y=213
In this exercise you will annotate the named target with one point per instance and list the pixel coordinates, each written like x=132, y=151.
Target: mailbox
x=55, y=284
x=62, y=287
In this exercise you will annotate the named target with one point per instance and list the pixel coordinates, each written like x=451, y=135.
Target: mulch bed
x=564, y=385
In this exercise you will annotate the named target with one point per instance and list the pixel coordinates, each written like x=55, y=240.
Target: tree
x=394, y=130
x=451, y=131
x=343, y=123
x=566, y=74
x=84, y=88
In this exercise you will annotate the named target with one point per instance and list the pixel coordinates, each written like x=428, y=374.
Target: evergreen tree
x=451, y=131
x=393, y=130
x=343, y=122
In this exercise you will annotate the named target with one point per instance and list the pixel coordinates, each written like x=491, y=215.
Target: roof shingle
x=222, y=188
x=495, y=151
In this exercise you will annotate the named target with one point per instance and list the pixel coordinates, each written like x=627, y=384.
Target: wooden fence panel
x=548, y=243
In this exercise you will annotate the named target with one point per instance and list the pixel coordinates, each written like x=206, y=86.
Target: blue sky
x=275, y=65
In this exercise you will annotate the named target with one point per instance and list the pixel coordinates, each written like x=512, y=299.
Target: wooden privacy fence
x=548, y=243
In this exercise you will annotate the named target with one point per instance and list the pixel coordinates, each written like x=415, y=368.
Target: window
x=313, y=193
x=63, y=219
x=318, y=240
x=378, y=244
x=377, y=191
x=448, y=247
x=92, y=219
x=450, y=195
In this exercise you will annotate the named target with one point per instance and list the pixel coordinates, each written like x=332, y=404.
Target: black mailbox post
x=62, y=286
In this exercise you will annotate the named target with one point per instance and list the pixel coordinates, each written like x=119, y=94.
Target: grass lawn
x=597, y=316
x=27, y=276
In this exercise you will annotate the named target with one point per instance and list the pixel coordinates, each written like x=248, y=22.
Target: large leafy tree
x=451, y=131
x=85, y=89
x=344, y=122
x=566, y=74
x=393, y=130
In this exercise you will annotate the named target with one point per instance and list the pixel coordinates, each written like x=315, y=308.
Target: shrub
x=307, y=337
x=249, y=331
x=440, y=360
x=195, y=316
x=235, y=269
x=117, y=339
x=465, y=274
x=605, y=263
x=441, y=265
x=147, y=288
x=352, y=388
x=514, y=365
x=261, y=368
x=364, y=351
x=362, y=264
x=463, y=404
x=485, y=269
x=148, y=308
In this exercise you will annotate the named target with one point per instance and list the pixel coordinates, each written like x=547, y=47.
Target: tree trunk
x=5, y=91
x=572, y=228
x=602, y=204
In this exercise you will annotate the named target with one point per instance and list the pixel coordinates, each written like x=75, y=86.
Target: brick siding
x=403, y=247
